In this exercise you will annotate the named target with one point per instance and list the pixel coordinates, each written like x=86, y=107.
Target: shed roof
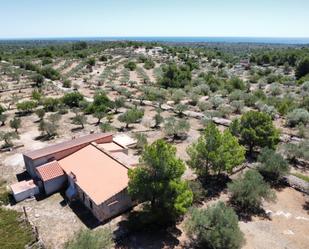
x=22, y=186
x=87, y=139
x=111, y=146
x=97, y=173
x=50, y=171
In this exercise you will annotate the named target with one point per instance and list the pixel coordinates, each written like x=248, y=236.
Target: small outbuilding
x=52, y=177
x=24, y=189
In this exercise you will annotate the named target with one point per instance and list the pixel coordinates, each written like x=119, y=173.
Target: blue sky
x=69, y=18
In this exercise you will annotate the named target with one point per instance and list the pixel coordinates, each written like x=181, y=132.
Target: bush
x=72, y=99
x=215, y=227
x=50, y=73
x=130, y=65
x=67, y=83
x=302, y=68
x=26, y=106
x=272, y=165
x=94, y=239
x=298, y=116
x=149, y=64
x=175, y=76
x=248, y=191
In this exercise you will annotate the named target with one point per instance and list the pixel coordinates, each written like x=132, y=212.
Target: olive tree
x=248, y=191
x=214, y=227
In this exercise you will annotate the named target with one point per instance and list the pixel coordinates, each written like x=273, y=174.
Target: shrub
x=248, y=191
x=26, y=106
x=130, y=65
x=94, y=239
x=272, y=165
x=215, y=227
x=67, y=83
x=50, y=73
x=298, y=116
x=149, y=64
x=302, y=68
x=72, y=99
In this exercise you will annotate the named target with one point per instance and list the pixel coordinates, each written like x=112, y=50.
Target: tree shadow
x=44, y=137
x=214, y=184
x=247, y=214
x=306, y=206
x=77, y=129
x=148, y=236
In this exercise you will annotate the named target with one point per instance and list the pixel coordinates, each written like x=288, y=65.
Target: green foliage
x=158, y=119
x=67, y=83
x=38, y=79
x=7, y=137
x=14, y=233
x=301, y=176
x=216, y=151
x=106, y=127
x=248, y=191
x=176, y=129
x=257, y=130
x=51, y=104
x=101, y=103
x=91, y=61
x=236, y=83
x=149, y=64
x=298, y=116
x=272, y=165
x=300, y=150
x=131, y=116
x=2, y=109
x=15, y=123
x=130, y=65
x=215, y=227
x=50, y=73
x=72, y=99
x=50, y=126
x=175, y=76
x=118, y=103
x=26, y=106
x=80, y=119
x=141, y=140
x=199, y=192
x=302, y=68
x=3, y=118
x=40, y=113
x=91, y=239
x=158, y=181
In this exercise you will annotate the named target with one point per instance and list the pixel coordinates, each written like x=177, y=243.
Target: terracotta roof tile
x=50, y=171
x=97, y=173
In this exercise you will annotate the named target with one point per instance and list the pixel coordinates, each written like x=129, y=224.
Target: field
x=55, y=92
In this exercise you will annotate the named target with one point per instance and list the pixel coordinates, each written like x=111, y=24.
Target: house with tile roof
x=91, y=169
